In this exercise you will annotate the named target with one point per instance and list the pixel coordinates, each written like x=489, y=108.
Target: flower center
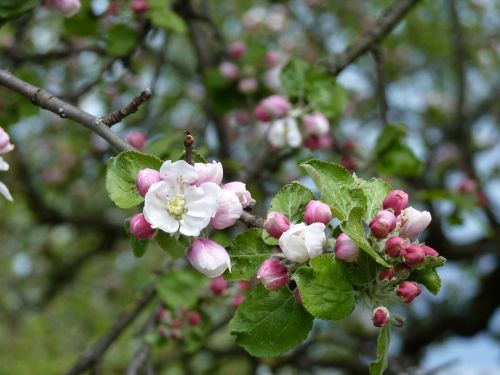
x=176, y=206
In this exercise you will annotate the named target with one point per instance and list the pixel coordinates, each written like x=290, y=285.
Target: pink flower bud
x=242, y=117
x=237, y=49
x=162, y=314
x=403, y=270
x=276, y=224
x=139, y=6
x=140, y=228
x=395, y=247
x=388, y=274
x=297, y=296
x=208, y=257
x=137, y=139
x=316, y=124
x=244, y=285
x=229, y=210
x=466, y=186
x=413, y=222
x=429, y=251
x=318, y=142
x=237, y=300
x=275, y=106
x=248, y=85
x=67, y=7
x=208, y=172
x=113, y=8
x=229, y=71
x=380, y=316
x=218, y=285
x=272, y=58
x=145, y=178
x=239, y=188
x=194, y=318
x=383, y=223
x=317, y=212
x=346, y=249
x=349, y=163
x=5, y=145
x=408, y=290
x=414, y=254
x=273, y=274
x=397, y=200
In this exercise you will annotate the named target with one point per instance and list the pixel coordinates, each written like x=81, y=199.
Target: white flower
x=284, y=132
x=208, y=172
x=173, y=205
x=229, y=210
x=302, y=242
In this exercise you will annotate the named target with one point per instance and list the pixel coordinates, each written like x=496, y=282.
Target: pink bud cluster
x=173, y=324
x=221, y=287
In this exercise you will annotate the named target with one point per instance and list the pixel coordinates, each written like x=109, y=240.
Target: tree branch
x=115, y=117
x=385, y=24
x=380, y=82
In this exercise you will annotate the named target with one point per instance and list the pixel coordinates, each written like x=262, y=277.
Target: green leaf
x=325, y=95
x=392, y=156
x=268, y=324
x=325, y=288
x=247, y=252
x=430, y=279
x=354, y=228
x=338, y=187
x=293, y=77
x=375, y=191
x=121, y=40
x=167, y=19
x=182, y=287
x=139, y=247
x=362, y=271
x=378, y=366
x=10, y=9
x=175, y=246
x=121, y=173
x=291, y=200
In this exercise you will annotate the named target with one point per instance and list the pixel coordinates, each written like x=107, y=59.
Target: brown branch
x=115, y=117
x=385, y=24
x=380, y=78
x=188, y=144
x=46, y=100
x=251, y=220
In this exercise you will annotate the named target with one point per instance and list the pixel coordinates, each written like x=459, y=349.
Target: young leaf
x=362, y=271
x=291, y=200
x=325, y=95
x=293, y=77
x=181, y=287
x=121, y=40
x=121, y=173
x=268, y=324
x=354, y=228
x=325, y=289
x=139, y=246
x=175, y=247
x=247, y=252
x=428, y=278
x=338, y=187
x=375, y=191
x=378, y=366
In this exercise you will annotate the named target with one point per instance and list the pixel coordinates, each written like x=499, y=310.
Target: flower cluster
x=5, y=146
x=173, y=324
x=280, y=122
x=67, y=7
x=183, y=199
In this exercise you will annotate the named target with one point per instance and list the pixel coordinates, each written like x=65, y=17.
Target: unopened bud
x=237, y=49
x=318, y=142
x=237, y=300
x=139, y=6
x=397, y=200
x=414, y=254
x=388, y=274
x=145, y=178
x=272, y=58
x=273, y=274
x=316, y=123
x=380, y=316
x=67, y=7
x=408, y=290
x=276, y=224
x=346, y=249
x=244, y=285
x=429, y=251
x=137, y=139
x=467, y=186
x=248, y=85
x=218, y=285
x=194, y=318
x=275, y=106
x=140, y=228
x=383, y=223
x=208, y=257
x=395, y=247
x=413, y=222
x=229, y=71
x=317, y=212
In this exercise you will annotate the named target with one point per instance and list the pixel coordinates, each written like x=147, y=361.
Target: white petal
x=3, y=165
x=7, y=148
x=155, y=212
x=293, y=247
x=315, y=239
x=178, y=171
x=5, y=192
x=276, y=135
x=192, y=225
x=294, y=138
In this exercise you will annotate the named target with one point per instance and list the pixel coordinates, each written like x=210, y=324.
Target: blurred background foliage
x=66, y=267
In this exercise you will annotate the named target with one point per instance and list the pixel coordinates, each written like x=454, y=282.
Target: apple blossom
x=274, y=106
x=318, y=142
x=208, y=257
x=248, y=85
x=284, y=132
x=208, y=172
x=383, y=223
x=237, y=49
x=244, y=285
x=218, y=285
x=346, y=249
x=229, y=71
x=429, y=251
x=276, y=224
x=140, y=228
x=272, y=58
x=237, y=300
x=380, y=316
x=388, y=274
x=145, y=178
x=239, y=188
x=229, y=210
x=5, y=145
x=316, y=124
x=180, y=171
x=413, y=222
x=194, y=318
x=273, y=274
x=302, y=242
x=414, y=254
x=317, y=212
x=139, y=6
x=137, y=139
x=67, y=7
x=467, y=186
x=395, y=247
x=408, y=290
x=397, y=200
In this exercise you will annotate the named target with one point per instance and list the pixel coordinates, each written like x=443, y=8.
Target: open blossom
x=67, y=7
x=208, y=172
x=302, y=242
x=284, y=132
x=239, y=188
x=209, y=258
x=174, y=205
x=413, y=222
x=229, y=210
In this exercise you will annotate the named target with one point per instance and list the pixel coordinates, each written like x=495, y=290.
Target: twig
x=115, y=117
x=188, y=143
x=95, y=353
x=385, y=24
x=251, y=220
x=46, y=100
x=381, y=94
